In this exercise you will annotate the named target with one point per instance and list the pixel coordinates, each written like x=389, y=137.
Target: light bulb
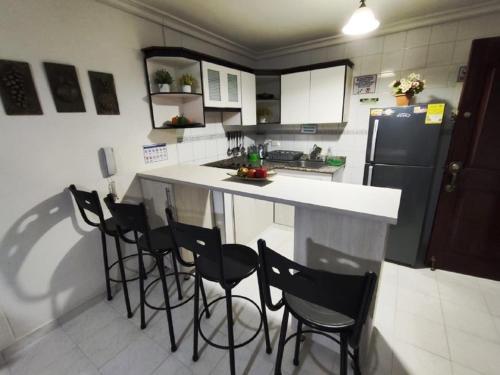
x=361, y=22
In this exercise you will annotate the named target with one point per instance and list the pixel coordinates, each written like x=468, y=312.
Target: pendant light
x=362, y=21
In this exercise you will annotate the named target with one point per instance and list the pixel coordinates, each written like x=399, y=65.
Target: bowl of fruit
x=252, y=174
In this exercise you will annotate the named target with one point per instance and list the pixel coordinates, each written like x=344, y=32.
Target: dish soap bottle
x=329, y=156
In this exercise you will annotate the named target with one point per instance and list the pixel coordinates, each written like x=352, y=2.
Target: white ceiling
x=267, y=24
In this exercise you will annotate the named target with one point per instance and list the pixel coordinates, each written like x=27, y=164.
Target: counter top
x=381, y=204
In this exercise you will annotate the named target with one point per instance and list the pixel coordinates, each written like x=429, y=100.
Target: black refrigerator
x=401, y=153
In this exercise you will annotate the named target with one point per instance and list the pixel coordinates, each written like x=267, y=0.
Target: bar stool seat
x=111, y=227
x=239, y=262
x=315, y=314
x=160, y=239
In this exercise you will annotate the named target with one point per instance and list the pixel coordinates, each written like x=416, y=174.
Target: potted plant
x=163, y=79
x=263, y=114
x=187, y=81
x=406, y=88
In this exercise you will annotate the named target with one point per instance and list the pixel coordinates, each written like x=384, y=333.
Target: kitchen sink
x=307, y=164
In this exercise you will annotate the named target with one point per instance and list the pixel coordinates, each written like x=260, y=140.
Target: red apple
x=261, y=173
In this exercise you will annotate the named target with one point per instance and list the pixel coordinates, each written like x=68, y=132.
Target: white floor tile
x=38, y=356
x=469, y=297
x=109, y=341
x=420, y=280
x=492, y=297
x=410, y=360
x=461, y=370
x=474, y=352
x=247, y=362
x=141, y=356
x=420, y=304
x=378, y=359
x=421, y=332
x=172, y=366
x=86, y=324
x=72, y=363
x=471, y=321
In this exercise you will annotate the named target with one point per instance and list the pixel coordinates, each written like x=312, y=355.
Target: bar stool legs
x=123, y=277
x=230, y=331
x=197, y=282
x=204, y=296
x=297, y=344
x=264, y=314
x=142, y=297
x=161, y=269
x=343, y=354
x=106, y=266
x=281, y=344
x=174, y=264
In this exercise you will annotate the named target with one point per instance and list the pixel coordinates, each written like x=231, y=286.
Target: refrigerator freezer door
x=401, y=137
x=404, y=238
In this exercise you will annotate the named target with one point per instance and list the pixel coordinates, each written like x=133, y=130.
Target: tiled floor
x=425, y=323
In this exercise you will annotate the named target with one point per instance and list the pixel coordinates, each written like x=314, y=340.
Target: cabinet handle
x=374, y=140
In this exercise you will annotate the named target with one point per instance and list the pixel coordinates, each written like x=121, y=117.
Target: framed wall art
x=17, y=89
x=65, y=88
x=104, y=92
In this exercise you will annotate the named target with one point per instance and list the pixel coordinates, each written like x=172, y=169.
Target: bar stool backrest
x=129, y=217
x=88, y=201
x=349, y=295
x=202, y=242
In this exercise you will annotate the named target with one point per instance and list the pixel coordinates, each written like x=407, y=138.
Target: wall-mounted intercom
x=109, y=161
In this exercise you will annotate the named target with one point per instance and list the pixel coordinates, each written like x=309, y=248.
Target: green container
x=253, y=157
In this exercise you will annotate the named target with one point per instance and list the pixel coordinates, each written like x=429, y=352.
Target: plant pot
x=164, y=87
x=186, y=88
x=403, y=100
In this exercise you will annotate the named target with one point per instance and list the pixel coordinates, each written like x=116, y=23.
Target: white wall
x=50, y=261
x=435, y=52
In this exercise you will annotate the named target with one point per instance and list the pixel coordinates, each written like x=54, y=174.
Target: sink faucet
x=314, y=155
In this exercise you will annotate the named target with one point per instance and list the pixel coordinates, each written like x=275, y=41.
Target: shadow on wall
x=332, y=260
x=68, y=285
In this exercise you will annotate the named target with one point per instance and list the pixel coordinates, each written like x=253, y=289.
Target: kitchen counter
x=380, y=204
x=235, y=162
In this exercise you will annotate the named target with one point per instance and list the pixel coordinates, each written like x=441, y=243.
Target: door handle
x=454, y=168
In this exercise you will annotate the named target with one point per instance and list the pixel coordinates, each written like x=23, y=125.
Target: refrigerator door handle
x=374, y=140
x=370, y=174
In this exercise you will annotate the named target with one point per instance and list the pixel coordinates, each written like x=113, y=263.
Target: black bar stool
x=325, y=301
x=158, y=243
x=224, y=264
x=89, y=201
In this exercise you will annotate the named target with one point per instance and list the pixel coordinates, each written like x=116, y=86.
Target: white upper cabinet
x=295, y=89
x=221, y=86
x=316, y=96
x=248, y=99
x=326, y=102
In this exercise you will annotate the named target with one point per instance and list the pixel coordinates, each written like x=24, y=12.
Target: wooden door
x=466, y=232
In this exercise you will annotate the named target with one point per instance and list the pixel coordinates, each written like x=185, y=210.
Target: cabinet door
x=213, y=84
x=295, y=89
x=327, y=95
x=248, y=99
x=232, y=87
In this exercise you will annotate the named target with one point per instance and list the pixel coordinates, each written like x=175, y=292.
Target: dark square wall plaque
x=65, y=88
x=103, y=89
x=17, y=89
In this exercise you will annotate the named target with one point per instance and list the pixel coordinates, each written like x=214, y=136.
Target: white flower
x=405, y=85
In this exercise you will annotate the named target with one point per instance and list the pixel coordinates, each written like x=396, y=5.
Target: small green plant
x=163, y=77
x=264, y=112
x=187, y=80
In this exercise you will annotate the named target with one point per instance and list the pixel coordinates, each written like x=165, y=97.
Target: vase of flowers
x=163, y=79
x=406, y=88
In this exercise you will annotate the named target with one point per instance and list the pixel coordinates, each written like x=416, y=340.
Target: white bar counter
x=380, y=204
x=338, y=227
